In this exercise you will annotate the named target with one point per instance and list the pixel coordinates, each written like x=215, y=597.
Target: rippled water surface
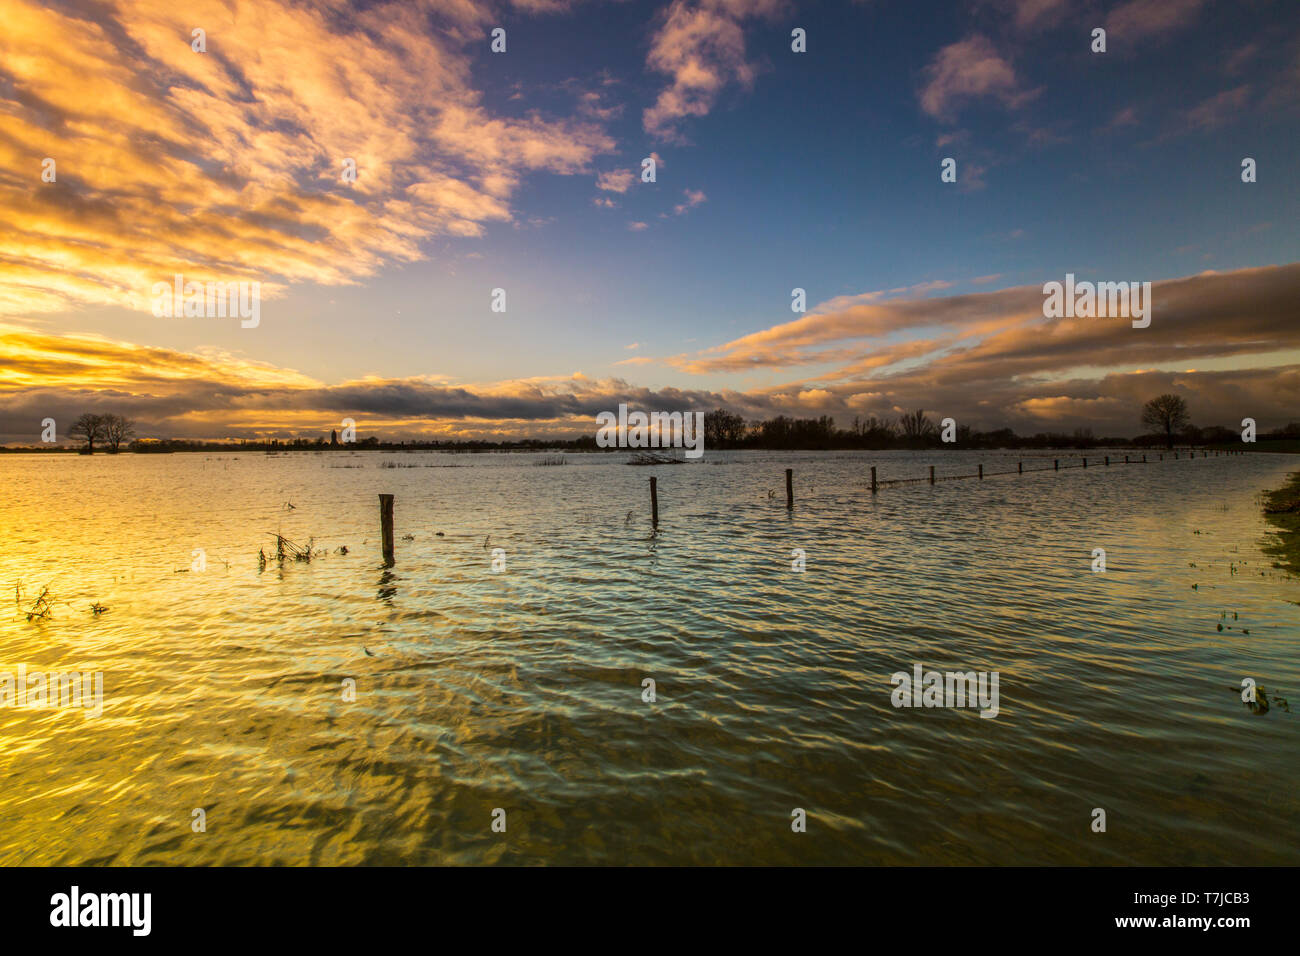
x=522, y=690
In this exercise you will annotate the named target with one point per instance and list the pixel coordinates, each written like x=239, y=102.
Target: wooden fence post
x=386, y=526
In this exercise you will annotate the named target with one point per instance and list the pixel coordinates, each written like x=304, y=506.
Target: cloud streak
x=990, y=359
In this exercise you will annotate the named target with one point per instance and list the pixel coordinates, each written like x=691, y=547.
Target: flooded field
x=519, y=687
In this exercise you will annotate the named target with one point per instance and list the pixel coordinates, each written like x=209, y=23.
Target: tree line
x=1166, y=416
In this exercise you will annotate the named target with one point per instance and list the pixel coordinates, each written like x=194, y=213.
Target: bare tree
x=1168, y=414
x=89, y=428
x=117, y=430
x=916, y=425
x=723, y=429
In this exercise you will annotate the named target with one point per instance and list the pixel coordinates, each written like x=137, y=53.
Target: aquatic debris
x=440, y=534
x=408, y=537
x=284, y=548
x=1223, y=616
x=97, y=608
x=1261, y=703
x=369, y=653
x=555, y=460
x=646, y=458
x=485, y=542
x=40, y=608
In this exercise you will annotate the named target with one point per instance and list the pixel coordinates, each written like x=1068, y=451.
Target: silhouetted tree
x=723, y=429
x=874, y=432
x=916, y=426
x=1218, y=435
x=117, y=430
x=1167, y=414
x=89, y=428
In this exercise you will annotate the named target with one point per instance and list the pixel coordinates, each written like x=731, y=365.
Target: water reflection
x=387, y=587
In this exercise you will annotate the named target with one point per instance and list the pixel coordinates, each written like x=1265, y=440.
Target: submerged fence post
x=789, y=488
x=1085, y=461
x=654, y=501
x=981, y=471
x=873, y=479
x=932, y=474
x=386, y=526
x=1020, y=468
x=1056, y=464
x=1108, y=461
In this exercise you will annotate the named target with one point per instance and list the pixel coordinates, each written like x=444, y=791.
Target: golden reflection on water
x=522, y=690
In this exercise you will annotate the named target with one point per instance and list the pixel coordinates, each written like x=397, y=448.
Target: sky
x=522, y=171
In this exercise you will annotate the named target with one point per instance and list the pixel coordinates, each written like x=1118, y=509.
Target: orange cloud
x=228, y=164
x=701, y=47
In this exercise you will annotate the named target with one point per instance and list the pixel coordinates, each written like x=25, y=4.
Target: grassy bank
x=1282, y=509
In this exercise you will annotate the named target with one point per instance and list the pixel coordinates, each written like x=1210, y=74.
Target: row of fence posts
x=386, y=501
